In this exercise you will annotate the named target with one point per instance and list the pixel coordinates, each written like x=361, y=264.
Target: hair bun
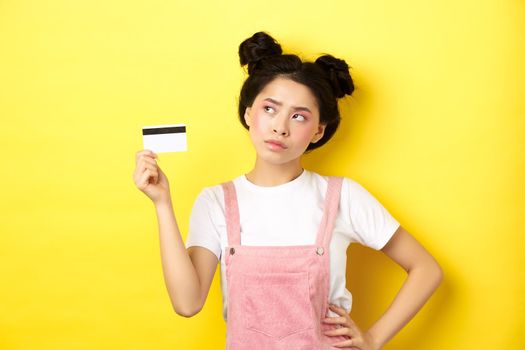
x=257, y=47
x=338, y=74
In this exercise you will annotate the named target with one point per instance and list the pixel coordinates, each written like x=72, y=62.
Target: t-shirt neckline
x=301, y=179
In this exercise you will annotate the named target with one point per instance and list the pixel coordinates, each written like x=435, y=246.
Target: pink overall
x=278, y=295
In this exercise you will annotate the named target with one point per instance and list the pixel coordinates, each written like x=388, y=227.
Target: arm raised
x=187, y=273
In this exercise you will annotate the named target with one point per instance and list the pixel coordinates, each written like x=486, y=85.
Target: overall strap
x=232, y=213
x=331, y=206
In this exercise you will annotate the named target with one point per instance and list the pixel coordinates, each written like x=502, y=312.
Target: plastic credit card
x=165, y=138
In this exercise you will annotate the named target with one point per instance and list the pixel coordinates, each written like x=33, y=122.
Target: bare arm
x=187, y=273
x=424, y=276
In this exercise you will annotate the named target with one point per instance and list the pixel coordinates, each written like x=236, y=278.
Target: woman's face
x=283, y=120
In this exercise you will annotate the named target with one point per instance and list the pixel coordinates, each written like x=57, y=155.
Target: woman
x=280, y=231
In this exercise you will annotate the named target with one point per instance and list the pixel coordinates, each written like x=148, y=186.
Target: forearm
x=419, y=285
x=180, y=275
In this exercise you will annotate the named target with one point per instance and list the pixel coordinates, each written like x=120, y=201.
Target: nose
x=280, y=126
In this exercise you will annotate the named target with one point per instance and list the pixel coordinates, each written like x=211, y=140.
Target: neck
x=267, y=174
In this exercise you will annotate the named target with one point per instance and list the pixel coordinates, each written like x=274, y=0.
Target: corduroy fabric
x=278, y=295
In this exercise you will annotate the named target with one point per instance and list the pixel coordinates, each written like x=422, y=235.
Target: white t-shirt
x=290, y=214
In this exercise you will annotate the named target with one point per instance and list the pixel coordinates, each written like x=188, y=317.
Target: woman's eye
x=299, y=117
x=268, y=107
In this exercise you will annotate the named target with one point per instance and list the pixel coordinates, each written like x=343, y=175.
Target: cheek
x=258, y=123
x=305, y=134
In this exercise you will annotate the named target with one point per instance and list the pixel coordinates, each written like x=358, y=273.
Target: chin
x=276, y=159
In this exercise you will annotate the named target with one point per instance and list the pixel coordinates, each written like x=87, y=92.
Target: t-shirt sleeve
x=203, y=230
x=370, y=221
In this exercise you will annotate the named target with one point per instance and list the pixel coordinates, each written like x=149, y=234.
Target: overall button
x=319, y=251
x=232, y=251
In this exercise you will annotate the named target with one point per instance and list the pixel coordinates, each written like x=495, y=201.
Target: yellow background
x=434, y=130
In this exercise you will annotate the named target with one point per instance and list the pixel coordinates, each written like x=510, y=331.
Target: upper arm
x=205, y=263
x=370, y=223
x=407, y=252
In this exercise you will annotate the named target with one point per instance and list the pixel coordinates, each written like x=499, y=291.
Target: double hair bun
x=261, y=45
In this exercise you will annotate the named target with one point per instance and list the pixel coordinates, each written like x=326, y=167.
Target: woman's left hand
x=358, y=339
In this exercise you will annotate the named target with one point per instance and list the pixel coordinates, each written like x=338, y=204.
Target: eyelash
x=294, y=114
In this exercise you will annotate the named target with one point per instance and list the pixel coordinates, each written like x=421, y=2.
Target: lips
x=277, y=143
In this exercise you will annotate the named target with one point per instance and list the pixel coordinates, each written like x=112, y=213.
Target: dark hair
x=328, y=78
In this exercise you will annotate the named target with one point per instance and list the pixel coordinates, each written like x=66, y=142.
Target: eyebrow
x=280, y=104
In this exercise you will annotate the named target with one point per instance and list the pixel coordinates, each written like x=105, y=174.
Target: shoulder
x=213, y=195
x=348, y=184
x=353, y=194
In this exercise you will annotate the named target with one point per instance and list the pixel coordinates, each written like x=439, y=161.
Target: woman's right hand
x=149, y=178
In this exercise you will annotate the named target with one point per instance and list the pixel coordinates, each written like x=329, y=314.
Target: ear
x=319, y=134
x=247, y=117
